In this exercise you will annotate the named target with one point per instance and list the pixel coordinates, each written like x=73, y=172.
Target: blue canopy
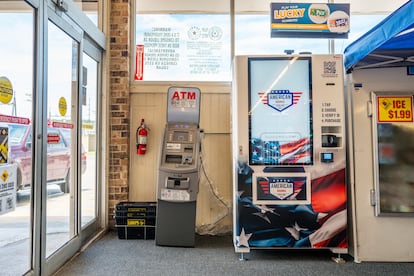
x=388, y=44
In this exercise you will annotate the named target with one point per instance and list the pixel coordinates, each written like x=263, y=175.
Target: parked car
x=58, y=156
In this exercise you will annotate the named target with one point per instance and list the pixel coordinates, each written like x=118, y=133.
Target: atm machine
x=178, y=175
x=289, y=153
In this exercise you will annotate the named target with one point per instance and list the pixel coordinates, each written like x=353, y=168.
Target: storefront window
x=178, y=44
x=252, y=37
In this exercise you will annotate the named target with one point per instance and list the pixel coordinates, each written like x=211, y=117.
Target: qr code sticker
x=329, y=67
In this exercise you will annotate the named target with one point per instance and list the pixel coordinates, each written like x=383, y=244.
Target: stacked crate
x=135, y=220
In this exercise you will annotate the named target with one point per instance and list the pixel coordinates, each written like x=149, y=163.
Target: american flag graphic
x=274, y=152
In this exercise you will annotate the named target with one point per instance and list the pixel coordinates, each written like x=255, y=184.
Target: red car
x=58, y=156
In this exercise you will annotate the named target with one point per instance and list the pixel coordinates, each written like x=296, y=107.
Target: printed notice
x=8, y=177
x=330, y=113
x=195, y=49
x=161, y=48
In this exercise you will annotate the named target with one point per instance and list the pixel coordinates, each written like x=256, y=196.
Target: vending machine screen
x=280, y=111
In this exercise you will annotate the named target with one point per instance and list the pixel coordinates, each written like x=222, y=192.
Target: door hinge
x=373, y=198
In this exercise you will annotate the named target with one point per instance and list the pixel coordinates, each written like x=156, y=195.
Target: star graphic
x=262, y=215
x=295, y=230
x=265, y=209
x=243, y=239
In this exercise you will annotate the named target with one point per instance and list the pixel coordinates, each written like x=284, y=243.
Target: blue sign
x=309, y=20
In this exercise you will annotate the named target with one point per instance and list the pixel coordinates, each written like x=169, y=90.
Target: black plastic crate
x=136, y=206
x=136, y=232
x=135, y=209
x=135, y=220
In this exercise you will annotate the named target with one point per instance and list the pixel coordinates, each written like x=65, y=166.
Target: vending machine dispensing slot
x=178, y=172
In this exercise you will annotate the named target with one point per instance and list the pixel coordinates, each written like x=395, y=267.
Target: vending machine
x=289, y=153
x=178, y=172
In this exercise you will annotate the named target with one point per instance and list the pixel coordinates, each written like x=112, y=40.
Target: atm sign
x=182, y=98
x=395, y=109
x=181, y=95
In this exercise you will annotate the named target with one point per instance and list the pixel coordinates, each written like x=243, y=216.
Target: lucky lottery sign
x=395, y=109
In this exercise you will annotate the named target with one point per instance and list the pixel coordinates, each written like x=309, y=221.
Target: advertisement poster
x=310, y=20
x=8, y=178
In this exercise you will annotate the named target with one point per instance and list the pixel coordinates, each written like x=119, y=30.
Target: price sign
x=395, y=109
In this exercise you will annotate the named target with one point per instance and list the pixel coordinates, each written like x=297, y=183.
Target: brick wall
x=119, y=71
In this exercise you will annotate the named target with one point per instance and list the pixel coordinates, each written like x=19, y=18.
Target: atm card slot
x=173, y=159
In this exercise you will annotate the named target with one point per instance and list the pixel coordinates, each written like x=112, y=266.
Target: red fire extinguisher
x=141, y=138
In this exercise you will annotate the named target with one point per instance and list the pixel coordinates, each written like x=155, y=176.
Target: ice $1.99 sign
x=395, y=109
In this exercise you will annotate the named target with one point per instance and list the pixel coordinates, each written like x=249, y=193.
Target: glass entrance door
x=61, y=165
x=49, y=193
x=16, y=117
x=89, y=121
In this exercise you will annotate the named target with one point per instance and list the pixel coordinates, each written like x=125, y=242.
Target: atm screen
x=280, y=117
x=180, y=136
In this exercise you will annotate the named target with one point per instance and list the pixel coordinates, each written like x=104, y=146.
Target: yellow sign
x=4, y=145
x=6, y=90
x=395, y=109
x=138, y=222
x=87, y=126
x=63, y=107
x=5, y=175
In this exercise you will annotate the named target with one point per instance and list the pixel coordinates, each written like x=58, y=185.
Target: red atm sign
x=183, y=95
x=183, y=99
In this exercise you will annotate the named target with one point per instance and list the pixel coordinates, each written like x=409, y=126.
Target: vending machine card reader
x=178, y=169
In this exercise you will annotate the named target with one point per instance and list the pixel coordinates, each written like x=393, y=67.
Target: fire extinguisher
x=141, y=138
